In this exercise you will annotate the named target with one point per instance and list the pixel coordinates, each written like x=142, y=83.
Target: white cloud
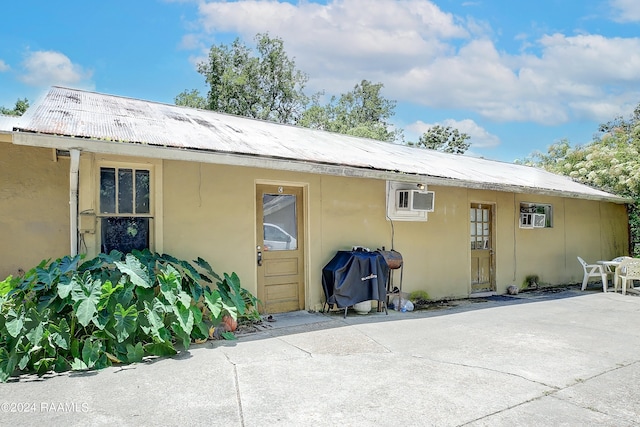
x=4, y=66
x=480, y=137
x=344, y=40
x=626, y=10
x=44, y=68
x=430, y=57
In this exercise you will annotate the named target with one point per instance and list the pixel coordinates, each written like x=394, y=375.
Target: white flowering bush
x=610, y=163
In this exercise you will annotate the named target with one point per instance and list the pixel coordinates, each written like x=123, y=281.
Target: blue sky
x=515, y=75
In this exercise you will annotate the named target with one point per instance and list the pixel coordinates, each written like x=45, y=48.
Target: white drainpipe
x=73, y=199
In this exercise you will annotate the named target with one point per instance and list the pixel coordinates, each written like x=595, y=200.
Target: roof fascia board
x=166, y=153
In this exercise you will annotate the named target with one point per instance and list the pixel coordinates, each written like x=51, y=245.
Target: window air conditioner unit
x=539, y=220
x=415, y=200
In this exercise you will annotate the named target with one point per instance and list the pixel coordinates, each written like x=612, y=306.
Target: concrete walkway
x=569, y=358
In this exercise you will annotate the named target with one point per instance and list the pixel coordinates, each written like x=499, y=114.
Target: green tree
x=444, y=138
x=266, y=86
x=21, y=106
x=362, y=112
x=191, y=98
x=611, y=162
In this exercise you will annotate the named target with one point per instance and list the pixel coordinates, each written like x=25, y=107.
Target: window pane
x=107, y=190
x=125, y=191
x=280, y=222
x=142, y=191
x=485, y=215
x=473, y=214
x=124, y=234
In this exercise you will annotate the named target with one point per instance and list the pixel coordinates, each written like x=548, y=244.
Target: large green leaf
x=160, y=349
x=135, y=353
x=48, y=276
x=65, y=289
x=125, y=296
x=8, y=362
x=190, y=271
x=91, y=351
x=60, y=335
x=91, y=265
x=135, y=270
x=107, y=291
x=196, y=290
x=15, y=322
x=68, y=264
x=34, y=335
x=61, y=364
x=6, y=285
x=169, y=279
x=184, y=317
x=231, y=284
x=206, y=267
x=144, y=295
x=125, y=321
x=86, y=296
x=155, y=317
x=78, y=365
x=213, y=301
x=229, y=336
x=181, y=334
x=44, y=365
x=85, y=310
x=112, y=257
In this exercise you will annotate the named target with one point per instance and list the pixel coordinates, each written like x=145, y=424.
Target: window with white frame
x=125, y=212
x=536, y=215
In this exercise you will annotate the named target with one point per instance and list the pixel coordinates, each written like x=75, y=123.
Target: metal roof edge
x=233, y=159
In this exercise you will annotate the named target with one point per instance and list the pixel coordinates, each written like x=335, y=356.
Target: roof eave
x=217, y=157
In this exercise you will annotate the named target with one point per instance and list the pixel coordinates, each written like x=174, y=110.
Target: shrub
x=115, y=308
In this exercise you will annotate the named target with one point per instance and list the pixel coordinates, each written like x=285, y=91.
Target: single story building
x=84, y=172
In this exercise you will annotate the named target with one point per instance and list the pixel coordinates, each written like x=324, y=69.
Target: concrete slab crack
x=236, y=381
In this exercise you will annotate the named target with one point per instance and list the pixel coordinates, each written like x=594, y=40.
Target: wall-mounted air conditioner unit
x=415, y=200
x=533, y=220
x=539, y=220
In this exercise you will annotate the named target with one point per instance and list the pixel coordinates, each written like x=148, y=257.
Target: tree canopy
x=21, y=106
x=265, y=84
x=611, y=162
x=444, y=138
x=362, y=112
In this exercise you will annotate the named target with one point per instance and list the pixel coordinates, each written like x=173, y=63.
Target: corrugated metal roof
x=76, y=113
x=7, y=123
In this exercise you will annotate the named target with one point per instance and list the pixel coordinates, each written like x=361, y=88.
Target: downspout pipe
x=73, y=199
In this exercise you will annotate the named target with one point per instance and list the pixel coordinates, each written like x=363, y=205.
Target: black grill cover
x=355, y=276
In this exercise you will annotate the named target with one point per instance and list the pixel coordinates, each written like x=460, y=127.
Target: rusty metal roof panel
x=76, y=113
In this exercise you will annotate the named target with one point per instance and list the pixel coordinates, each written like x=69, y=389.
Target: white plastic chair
x=615, y=271
x=629, y=270
x=593, y=270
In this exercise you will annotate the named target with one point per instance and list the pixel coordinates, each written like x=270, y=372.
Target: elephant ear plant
x=116, y=308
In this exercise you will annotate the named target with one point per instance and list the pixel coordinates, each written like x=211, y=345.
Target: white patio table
x=612, y=267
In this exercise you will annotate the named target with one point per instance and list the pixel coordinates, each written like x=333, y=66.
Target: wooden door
x=280, y=248
x=482, y=253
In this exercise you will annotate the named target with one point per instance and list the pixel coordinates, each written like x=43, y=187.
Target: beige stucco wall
x=207, y=210
x=34, y=207
x=343, y=212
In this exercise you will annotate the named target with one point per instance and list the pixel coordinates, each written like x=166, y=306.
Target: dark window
x=125, y=209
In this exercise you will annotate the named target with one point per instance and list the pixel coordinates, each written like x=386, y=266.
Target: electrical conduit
x=73, y=199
